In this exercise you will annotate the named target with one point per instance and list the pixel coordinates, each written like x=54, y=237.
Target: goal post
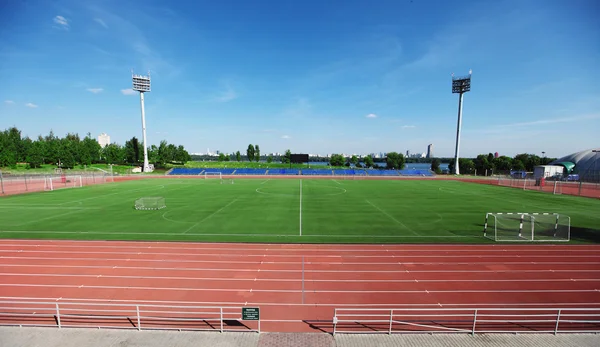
x=208, y=175
x=150, y=203
x=527, y=227
x=62, y=181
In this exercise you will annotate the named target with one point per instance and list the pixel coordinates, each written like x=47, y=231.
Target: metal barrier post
x=557, y=321
x=335, y=320
x=391, y=320
x=58, y=316
x=221, y=313
x=26, y=188
x=259, y=325
x=474, y=322
x=137, y=311
x=1, y=183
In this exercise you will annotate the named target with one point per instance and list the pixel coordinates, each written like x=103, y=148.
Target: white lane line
x=153, y=268
x=299, y=280
x=394, y=305
x=28, y=285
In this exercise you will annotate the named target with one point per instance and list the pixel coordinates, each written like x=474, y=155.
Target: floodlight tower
x=460, y=85
x=142, y=85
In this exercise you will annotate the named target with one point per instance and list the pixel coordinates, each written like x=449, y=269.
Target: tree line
x=488, y=163
x=71, y=151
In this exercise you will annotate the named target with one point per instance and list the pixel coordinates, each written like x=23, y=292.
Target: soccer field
x=283, y=210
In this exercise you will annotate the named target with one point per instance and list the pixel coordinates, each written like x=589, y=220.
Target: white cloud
x=30, y=105
x=101, y=22
x=408, y=126
x=371, y=115
x=227, y=95
x=95, y=90
x=552, y=121
x=286, y=137
x=128, y=91
x=62, y=22
x=9, y=102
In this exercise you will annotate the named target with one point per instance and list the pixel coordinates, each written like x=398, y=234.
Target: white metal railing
x=466, y=320
x=125, y=316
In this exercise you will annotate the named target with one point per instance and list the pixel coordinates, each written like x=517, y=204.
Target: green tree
x=466, y=166
x=221, y=157
x=435, y=166
x=336, y=160
x=256, y=153
x=287, y=157
x=395, y=160
x=35, y=155
x=238, y=156
x=368, y=161
x=269, y=158
x=250, y=152
x=354, y=160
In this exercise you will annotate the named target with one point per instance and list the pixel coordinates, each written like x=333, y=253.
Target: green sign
x=250, y=313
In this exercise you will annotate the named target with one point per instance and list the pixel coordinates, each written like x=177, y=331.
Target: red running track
x=270, y=276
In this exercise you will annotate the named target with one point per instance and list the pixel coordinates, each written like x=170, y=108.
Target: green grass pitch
x=284, y=210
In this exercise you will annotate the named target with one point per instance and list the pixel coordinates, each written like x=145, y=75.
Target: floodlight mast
x=460, y=85
x=142, y=85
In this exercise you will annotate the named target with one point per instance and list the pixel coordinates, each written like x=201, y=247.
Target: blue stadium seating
x=283, y=172
x=222, y=171
x=376, y=172
x=250, y=172
x=415, y=172
x=185, y=171
x=349, y=172
x=319, y=172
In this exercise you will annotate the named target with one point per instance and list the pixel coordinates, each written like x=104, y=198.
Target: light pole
x=543, y=158
x=460, y=85
x=142, y=85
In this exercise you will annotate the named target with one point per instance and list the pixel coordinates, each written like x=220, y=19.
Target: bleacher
x=283, y=172
x=185, y=171
x=416, y=172
x=376, y=172
x=250, y=172
x=316, y=172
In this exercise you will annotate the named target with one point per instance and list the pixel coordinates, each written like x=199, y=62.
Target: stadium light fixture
x=142, y=84
x=460, y=85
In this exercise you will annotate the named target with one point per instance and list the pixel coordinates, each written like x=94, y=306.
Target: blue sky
x=311, y=76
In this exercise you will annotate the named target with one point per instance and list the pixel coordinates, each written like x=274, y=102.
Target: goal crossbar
x=531, y=227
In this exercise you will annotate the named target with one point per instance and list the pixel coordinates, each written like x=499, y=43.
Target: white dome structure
x=585, y=163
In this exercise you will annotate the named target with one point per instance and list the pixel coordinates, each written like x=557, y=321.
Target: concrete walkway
x=50, y=337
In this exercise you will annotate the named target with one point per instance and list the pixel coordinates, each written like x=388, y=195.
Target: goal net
x=208, y=175
x=150, y=203
x=63, y=181
x=533, y=227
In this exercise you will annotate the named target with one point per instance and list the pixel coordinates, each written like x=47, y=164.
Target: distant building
x=496, y=155
x=430, y=151
x=103, y=140
x=407, y=154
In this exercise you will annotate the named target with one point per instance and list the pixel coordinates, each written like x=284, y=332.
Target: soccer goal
x=208, y=175
x=150, y=203
x=532, y=227
x=63, y=181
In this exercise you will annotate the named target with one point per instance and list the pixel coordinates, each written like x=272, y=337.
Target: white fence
x=466, y=320
x=125, y=316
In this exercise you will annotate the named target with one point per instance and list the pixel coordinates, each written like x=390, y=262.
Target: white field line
x=36, y=220
x=254, y=270
x=300, y=208
x=298, y=280
x=30, y=207
x=392, y=218
x=548, y=249
x=337, y=182
x=241, y=234
x=242, y=303
x=209, y=216
x=300, y=253
x=252, y=290
x=265, y=181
